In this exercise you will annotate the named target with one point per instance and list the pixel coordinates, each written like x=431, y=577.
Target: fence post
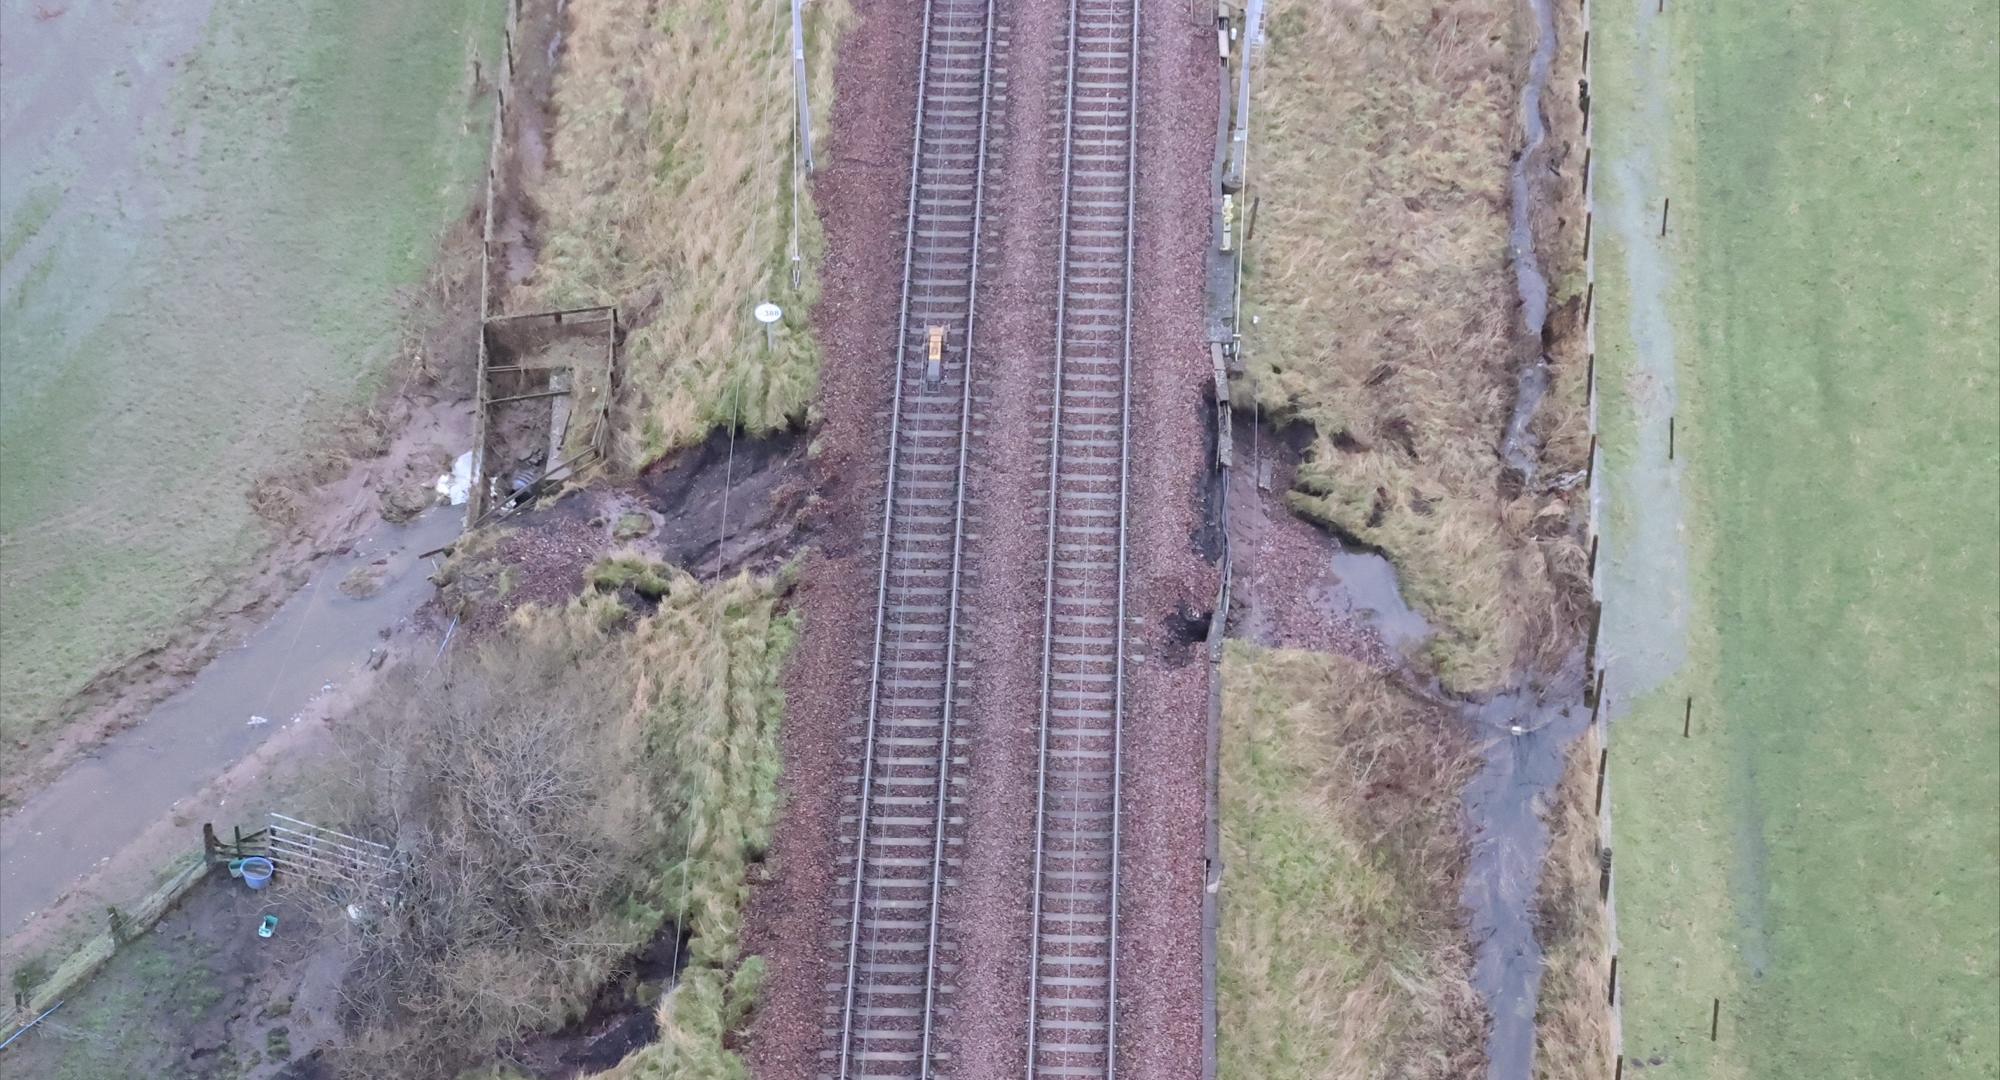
x=799, y=82
x=1603, y=759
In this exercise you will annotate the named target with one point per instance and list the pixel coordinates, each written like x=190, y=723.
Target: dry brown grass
x=1563, y=427
x=1342, y=945
x=1385, y=312
x=1573, y=1016
x=670, y=194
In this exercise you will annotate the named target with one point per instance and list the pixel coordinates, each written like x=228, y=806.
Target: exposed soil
x=623, y=1017
x=1285, y=591
x=524, y=142
x=202, y=996
x=673, y=512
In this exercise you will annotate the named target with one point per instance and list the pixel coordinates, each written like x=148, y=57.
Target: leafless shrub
x=520, y=830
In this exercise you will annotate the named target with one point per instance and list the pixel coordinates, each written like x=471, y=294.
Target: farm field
x=213, y=219
x=1821, y=325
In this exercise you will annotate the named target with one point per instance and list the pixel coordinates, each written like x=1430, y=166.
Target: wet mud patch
x=202, y=995
x=622, y=1018
x=1296, y=583
x=761, y=486
x=673, y=513
x=1524, y=736
x=524, y=143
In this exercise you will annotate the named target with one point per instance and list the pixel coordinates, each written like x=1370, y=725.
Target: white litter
x=255, y=720
x=457, y=484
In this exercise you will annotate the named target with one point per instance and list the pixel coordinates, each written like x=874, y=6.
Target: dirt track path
x=311, y=654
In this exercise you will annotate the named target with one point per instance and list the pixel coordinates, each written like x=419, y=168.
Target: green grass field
x=195, y=293
x=1824, y=854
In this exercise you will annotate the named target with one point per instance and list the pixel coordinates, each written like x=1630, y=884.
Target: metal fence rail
x=300, y=847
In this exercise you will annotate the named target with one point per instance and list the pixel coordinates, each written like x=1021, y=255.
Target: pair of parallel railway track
x=903, y=825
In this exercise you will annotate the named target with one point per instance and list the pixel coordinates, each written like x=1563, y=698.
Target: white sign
x=768, y=313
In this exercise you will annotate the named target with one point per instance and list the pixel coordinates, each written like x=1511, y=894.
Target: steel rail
x=869, y=740
x=1049, y=564
x=1050, y=567
x=957, y=548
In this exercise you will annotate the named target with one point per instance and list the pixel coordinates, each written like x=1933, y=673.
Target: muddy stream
x=1522, y=736
x=1531, y=285
x=1525, y=732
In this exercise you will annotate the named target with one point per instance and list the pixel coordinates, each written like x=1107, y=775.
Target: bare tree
x=505, y=779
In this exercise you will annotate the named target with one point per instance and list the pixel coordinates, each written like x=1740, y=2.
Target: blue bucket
x=256, y=871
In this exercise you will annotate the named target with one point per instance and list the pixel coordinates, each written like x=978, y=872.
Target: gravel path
x=1166, y=725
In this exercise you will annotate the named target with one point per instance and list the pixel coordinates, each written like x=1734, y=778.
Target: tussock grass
x=668, y=728
x=1385, y=312
x=1342, y=944
x=1573, y=1015
x=671, y=195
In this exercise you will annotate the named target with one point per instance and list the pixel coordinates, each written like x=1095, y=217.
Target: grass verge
x=1342, y=946
x=229, y=277
x=1823, y=855
x=1384, y=311
x=671, y=194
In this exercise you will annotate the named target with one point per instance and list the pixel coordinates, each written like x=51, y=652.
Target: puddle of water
x=316, y=642
x=1366, y=588
x=1646, y=576
x=1524, y=741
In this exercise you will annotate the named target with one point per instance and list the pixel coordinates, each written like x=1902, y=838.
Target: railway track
x=1073, y=981
x=903, y=823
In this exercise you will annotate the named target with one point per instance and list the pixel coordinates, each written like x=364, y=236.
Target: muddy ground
x=202, y=996
x=673, y=512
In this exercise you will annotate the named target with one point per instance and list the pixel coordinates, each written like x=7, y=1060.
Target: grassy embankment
x=1822, y=853
x=671, y=195
x=1343, y=950
x=1386, y=317
x=1573, y=1011
x=191, y=309
x=1385, y=311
